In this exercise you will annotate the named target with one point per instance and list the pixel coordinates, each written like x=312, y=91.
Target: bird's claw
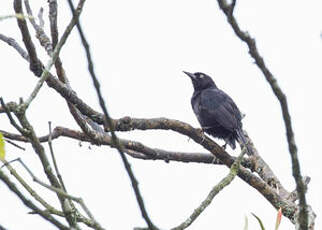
x=202, y=133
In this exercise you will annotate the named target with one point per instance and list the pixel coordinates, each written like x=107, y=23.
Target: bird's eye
x=201, y=75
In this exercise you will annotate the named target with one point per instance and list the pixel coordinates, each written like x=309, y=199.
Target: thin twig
x=12, y=120
x=214, y=191
x=39, y=150
x=41, y=18
x=46, y=215
x=14, y=16
x=40, y=33
x=32, y=192
x=253, y=51
x=58, y=190
x=108, y=122
x=12, y=42
x=54, y=159
x=14, y=144
x=50, y=209
x=55, y=54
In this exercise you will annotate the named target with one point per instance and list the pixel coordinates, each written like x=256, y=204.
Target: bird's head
x=201, y=81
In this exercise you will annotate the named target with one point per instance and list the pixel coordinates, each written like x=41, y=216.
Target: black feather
x=216, y=112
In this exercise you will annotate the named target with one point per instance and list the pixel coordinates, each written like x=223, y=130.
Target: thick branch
x=128, y=123
x=268, y=192
x=134, y=149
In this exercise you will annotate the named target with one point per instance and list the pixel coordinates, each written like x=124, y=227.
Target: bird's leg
x=215, y=160
x=224, y=146
x=202, y=133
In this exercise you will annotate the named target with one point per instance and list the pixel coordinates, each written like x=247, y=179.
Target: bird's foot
x=202, y=133
x=224, y=146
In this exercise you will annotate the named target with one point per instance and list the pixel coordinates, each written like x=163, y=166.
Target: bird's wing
x=219, y=109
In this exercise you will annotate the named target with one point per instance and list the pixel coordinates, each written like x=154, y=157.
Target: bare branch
x=128, y=123
x=2, y=228
x=30, y=204
x=32, y=192
x=35, y=65
x=55, y=54
x=214, y=191
x=53, y=21
x=293, y=196
x=12, y=120
x=49, y=208
x=13, y=16
x=264, y=171
x=253, y=51
x=58, y=190
x=40, y=34
x=133, y=148
x=53, y=12
x=41, y=18
x=108, y=122
x=38, y=148
x=12, y=42
x=54, y=159
x=14, y=144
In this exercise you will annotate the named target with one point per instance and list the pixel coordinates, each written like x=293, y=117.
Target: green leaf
x=2, y=149
x=259, y=221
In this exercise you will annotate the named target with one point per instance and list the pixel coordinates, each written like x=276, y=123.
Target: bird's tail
x=243, y=142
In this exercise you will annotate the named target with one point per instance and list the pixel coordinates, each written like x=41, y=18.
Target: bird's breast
x=196, y=102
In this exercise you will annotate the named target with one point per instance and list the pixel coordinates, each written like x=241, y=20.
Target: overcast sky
x=140, y=49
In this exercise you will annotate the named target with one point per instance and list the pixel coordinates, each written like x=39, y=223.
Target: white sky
x=140, y=49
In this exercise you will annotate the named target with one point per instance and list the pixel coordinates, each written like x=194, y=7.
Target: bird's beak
x=191, y=75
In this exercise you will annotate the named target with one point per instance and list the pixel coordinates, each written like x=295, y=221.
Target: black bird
x=217, y=113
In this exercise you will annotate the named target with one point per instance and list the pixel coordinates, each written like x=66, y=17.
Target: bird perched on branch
x=216, y=112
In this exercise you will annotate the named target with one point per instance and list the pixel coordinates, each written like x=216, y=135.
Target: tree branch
x=45, y=73
x=35, y=65
x=12, y=42
x=128, y=123
x=40, y=33
x=30, y=204
x=31, y=191
x=214, y=191
x=39, y=150
x=269, y=193
x=134, y=149
x=108, y=122
x=245, y=37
